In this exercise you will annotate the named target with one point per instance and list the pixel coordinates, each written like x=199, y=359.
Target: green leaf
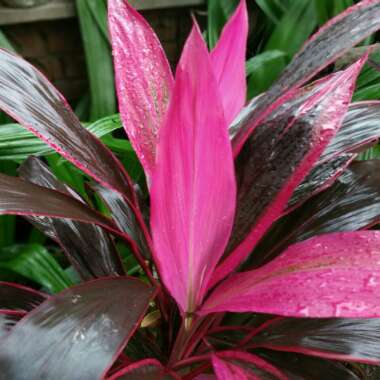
x=67, y=173
x=7, y=222
x=98, y=9
x=34, y=262
x=218, y=13
x=273, y=9
x=98, y=57
x=326, y=9
x=5, y=43
x=294, y=28
x=263, y=70
x=371, y=92
x=370, y=154
x=16, y=143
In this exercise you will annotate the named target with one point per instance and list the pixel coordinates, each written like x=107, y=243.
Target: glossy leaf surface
x=279, y=155
x=301, y=367
x=351, y=203
x=18, y=298
x=148, y=369
x=339, y=339
x=123, y=216
x=74, y=335
x=28, y=97
x=320, y=177
x=333, y=275
x=228, y=61
x=190, y=224
x=330, y=42
x=19, y=197
x=143, y=79
x=360, y=127
x=231, y=365
x=87, y=246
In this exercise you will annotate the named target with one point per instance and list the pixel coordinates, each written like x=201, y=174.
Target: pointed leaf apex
x=143, y=79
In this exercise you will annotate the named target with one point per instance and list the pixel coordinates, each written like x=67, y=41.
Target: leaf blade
x=190, y=226
x=333, y=275
x=95, y=328
x=143, y=79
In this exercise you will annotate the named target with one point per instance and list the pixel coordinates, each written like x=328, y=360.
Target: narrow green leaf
x=370, y=154
x=218, y=14
x=371, y=92
x=273, y=9
x=98, y=9
x=16, y=143
x=294, y=28
x=98, y=59
x=34, y=262
x=263, y=70
x=5, y=43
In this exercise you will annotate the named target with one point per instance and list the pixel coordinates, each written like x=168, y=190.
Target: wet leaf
x=76, y=334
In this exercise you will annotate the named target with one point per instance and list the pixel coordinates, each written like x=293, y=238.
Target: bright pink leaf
x=320, y=116
x=242, y=363
x=193, y=188
x=143, y=78
x=227, y=371
x=330, y=42
x=228, y=59
x=333, y=275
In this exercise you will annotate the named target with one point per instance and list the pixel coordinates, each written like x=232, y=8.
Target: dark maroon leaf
x=28, y=97
x=76, y=334
x=340, y=339
x=301, y=367
x=321, y=177
x=351, y=203
x=330, y=42
x=15, y=302
x=19, y=197
x=123, y=216
x=148, y=369
x=279, y=155
x=18, y=298
x=87, y=246
x=360, y=127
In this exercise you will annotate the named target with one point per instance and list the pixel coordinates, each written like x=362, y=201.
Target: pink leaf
x=228, y=59
x=333, y=275
x=270, y=177
x=143, y=79
x=330, y=42
x=228, y=371
x=231, y=365
x=193, y=188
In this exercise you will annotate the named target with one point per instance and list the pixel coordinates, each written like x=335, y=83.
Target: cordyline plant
x=253, y=269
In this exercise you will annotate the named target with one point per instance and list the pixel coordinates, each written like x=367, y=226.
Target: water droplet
x=75, y=299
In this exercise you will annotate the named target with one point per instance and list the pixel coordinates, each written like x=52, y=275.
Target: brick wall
x=56, y=48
